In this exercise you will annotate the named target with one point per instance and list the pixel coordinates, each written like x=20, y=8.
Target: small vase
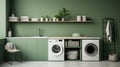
x=63, y=19
x=57, y=19
x=41, y=19
x=46, y=19
x=54, y=18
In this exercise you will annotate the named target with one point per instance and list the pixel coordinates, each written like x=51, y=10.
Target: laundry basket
x=72, y=55
x=113, y=57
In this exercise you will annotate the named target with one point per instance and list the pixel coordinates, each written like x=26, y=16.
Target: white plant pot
x=46, y=19
x=54, y=18
x=63, y=19
x=57, y=19
x=41, y=19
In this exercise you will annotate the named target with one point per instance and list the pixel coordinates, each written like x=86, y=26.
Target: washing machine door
x=91, y=49
x=57, y=49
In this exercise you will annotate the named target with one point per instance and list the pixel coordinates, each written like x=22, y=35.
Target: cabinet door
x=42, y=49
x=31, y=49
x=28, y=47
x=21, y=44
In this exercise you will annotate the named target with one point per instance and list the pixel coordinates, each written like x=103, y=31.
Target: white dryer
x=90, y=50
x=56, y=49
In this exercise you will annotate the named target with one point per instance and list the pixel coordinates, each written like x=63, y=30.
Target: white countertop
x=60, y=37
x=74, y=38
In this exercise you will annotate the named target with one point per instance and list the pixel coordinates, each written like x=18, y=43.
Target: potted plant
x=42, y=18
x=62, y=13
x=46, y=18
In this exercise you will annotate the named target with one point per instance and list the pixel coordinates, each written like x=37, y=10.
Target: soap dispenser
x=9, y=33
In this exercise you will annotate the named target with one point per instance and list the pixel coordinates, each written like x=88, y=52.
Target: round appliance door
x=57, y=49
x=91, y=49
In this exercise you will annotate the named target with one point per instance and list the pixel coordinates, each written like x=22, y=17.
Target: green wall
x=2, y=19
x=94, y=9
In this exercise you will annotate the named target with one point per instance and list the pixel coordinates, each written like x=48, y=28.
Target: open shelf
x=48, y=21
x=72, y=49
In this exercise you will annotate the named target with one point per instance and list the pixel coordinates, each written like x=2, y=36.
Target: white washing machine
x=90, y=50
x=56, y=49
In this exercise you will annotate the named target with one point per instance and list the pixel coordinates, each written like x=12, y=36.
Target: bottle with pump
x=9, y=33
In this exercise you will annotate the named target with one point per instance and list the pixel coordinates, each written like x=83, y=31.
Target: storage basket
x=73, y=43
x=72, y=55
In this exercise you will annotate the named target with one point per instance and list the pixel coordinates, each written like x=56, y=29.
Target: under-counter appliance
x=90, y=50
x=56, y=49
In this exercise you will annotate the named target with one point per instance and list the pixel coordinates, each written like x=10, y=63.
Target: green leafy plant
x=47, y=16
x=62, y=13
x=42, y=16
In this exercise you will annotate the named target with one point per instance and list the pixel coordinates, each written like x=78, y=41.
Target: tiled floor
x=62, y=64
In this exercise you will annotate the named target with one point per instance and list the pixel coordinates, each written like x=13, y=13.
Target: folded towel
x=109, y=31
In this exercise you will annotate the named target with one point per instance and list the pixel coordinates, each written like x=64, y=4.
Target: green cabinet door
x=28, y=47
x=21, y=44
x=31, y=49
x=42, y=49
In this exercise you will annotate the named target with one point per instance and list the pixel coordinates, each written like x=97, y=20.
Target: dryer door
x=57, y=49
x=91, y=49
